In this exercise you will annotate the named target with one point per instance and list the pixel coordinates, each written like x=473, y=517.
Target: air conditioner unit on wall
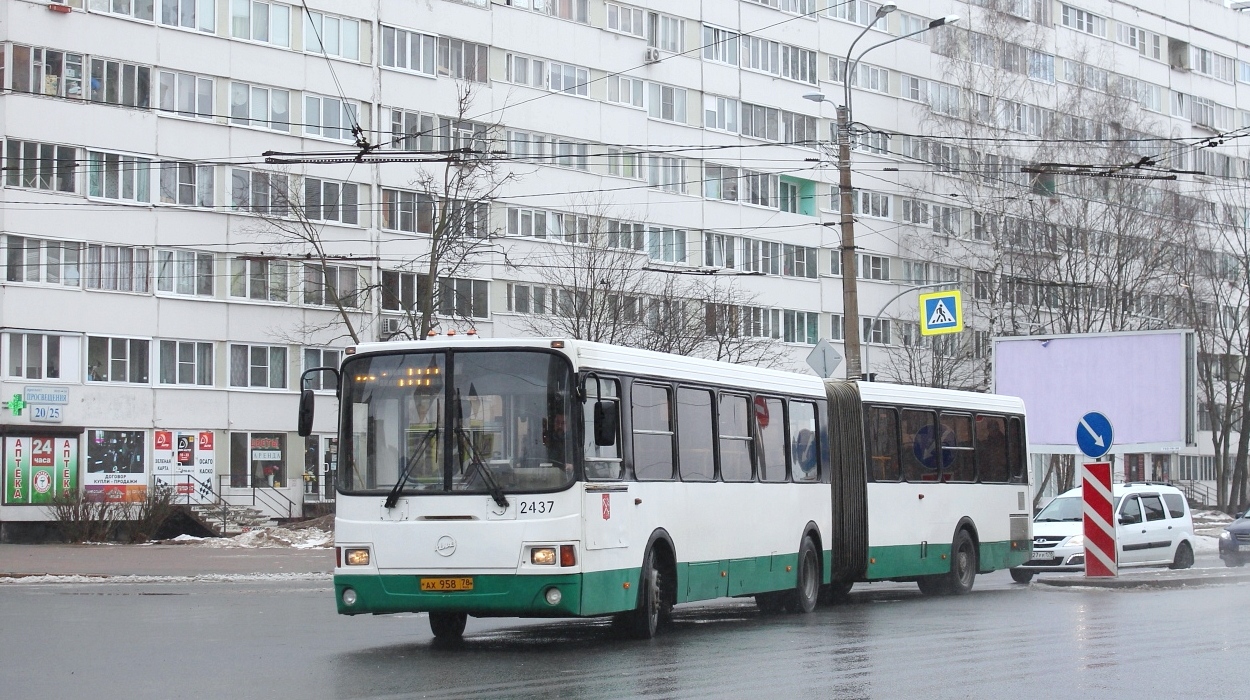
x=652, y=55
x=390, y=326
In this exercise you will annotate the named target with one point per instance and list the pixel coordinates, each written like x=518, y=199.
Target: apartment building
x=156, y=312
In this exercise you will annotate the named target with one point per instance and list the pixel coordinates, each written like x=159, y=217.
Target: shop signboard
x=116, y=465
x=39, y=469
x=185, y=461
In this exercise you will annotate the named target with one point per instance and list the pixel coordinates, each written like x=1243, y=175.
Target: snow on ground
x=1206, y=544
x=1210, y=523
x=267, y=537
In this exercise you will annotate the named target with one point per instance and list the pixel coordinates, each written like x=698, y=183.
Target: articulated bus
x=563, y=478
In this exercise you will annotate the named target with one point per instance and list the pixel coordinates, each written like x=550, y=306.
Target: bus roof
x=616, y=358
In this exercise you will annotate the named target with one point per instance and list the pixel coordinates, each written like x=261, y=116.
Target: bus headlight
x=349, y=597
x=553, y=596
x=543, y=556
x=356, y=557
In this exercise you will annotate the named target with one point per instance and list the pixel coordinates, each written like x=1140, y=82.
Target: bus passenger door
x=606, y=513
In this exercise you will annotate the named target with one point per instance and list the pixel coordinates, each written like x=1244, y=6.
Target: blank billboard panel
x=1143, y=382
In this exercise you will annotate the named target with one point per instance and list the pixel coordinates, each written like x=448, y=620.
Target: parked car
x=1235, y=541
x=1154, y=528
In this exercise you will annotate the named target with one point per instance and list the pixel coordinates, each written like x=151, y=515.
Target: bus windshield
x=503, y=412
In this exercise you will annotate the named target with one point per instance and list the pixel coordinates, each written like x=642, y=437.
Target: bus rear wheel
x=448, y=626
x=963, y=573
x=807, y=581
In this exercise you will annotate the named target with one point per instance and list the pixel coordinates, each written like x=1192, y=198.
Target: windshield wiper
x=393, y=497
x=491, y=485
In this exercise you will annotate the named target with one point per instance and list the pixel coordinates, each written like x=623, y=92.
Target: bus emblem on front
x=446, y=546
x=607, y=506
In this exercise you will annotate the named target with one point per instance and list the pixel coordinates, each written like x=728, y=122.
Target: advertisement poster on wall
x=185, y=461
x=116, y=467
x=38, y=469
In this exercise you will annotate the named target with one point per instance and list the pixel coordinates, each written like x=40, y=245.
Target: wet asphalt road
x=283, y=640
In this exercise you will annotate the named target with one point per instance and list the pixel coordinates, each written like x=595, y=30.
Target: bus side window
x=882, y=436
x=1015, y=452
x=958, y=455
x=921, y=445
x=770, y=422
x=992, y=449
x=602, y=461
x=694, y=435
x=804, y=442
x=653, y=432
x=736, y=444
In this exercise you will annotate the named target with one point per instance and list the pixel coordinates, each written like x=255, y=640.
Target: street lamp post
x=850, y=284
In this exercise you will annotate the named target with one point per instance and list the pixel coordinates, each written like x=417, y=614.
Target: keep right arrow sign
x=1094, y=434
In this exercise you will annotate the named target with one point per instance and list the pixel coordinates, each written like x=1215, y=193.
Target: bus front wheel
x=643, y=622
x=448, y=626
x=807, y=581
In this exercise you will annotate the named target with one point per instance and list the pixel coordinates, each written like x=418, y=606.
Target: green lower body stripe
x=908, y=560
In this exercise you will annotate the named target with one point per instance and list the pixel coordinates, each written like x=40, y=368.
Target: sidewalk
x=1155, y=578
x=19, y=560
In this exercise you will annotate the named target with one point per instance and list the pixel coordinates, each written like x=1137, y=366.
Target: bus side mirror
x=306, y=404
x=607, y=421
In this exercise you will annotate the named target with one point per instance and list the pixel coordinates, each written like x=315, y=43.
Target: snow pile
x=1210, y=523
x=1206, y=544
x=267, y=537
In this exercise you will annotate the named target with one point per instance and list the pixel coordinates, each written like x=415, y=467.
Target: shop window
x=257, y=460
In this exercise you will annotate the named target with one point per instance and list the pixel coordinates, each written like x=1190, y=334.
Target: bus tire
x=802, y=599
x=836, y=593
x=643, y=622
x=1021, y=576
x=448, y=626
x=963, y=571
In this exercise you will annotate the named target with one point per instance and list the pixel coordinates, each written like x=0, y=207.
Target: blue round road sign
x=1094, y=434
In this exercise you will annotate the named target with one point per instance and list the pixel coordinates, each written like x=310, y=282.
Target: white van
x=1154, y=528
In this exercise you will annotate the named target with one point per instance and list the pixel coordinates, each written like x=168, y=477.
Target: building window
x=874, y=267
x=328, y=284
x=463, y=298
x=624, y=162
x=35, y=260
x=331, y=201
x=759, y=189
x=720, y=45
x=720, y=113
x=666, y=244
x=1083, y=21
x=570, y=79
x=665, y=32
x=123, y=360
x=187, y=184
x=186, y=363
x=47, y=72
x=258, y=366
x=720, y=182
x=320, y=357
x=626, y=235
x=118, y=83
x=666, y=173
x=184, y=94
x=763, y=257
x=719, y=250
x=412, y=131
x=118, y=177
x=41, y=166
x=760, y=122
x=41, y=356
x=185, y=272
x=876, y=330
x=139, y=9
x=333, y=36
x=329, y=117
x=261, y=21
x=798, y=261
x=260, y=279
x=529, y=299
x=627, y=20
x=190, y=14
x=400, y=290
x=407, y=211
x=800, y=327
x=411, y=51
x=266, y=194
x=117, y=268
x=837, y=326
x=523, y=70
x=257, y=460
x=462, y=60
x=267, y=108
x=666, y=102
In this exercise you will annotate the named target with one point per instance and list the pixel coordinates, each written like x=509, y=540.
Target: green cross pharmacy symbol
x=16, y=404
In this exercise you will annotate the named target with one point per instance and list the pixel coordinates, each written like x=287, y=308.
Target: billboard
x=116, y=469
x=39, y=468
x=185, y=461
x=1144, y=382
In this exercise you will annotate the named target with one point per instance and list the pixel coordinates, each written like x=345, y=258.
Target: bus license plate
x=1041, y=556
x=462, y=583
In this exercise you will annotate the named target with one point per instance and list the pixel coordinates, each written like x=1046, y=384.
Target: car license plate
x=1041, y=556
x=447, y=585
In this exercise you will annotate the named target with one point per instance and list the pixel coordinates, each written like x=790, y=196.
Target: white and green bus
x=562, y=478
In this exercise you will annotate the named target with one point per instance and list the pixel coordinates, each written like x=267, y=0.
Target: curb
x=1161, y=582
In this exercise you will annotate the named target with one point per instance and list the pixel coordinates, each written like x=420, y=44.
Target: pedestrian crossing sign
x=941, y=312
